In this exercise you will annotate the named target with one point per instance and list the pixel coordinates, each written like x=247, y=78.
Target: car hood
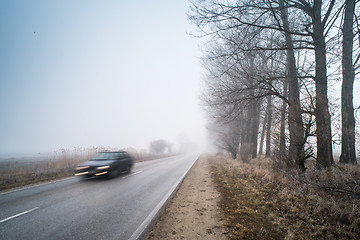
x=97, y=163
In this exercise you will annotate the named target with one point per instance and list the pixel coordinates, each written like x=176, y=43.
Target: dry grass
x=260, y=202
x=60, y=165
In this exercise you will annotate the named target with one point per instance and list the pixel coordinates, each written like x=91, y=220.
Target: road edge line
x=26, y=187
x=154, y=215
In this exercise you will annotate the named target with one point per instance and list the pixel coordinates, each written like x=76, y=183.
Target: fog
x=114, y=74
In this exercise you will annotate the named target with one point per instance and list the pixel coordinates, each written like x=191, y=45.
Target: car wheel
x=128, y=169
x=112, y=174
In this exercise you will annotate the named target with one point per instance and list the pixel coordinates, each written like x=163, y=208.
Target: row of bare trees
x=269, y=65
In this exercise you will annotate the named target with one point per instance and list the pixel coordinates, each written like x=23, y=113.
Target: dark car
x=109, y=164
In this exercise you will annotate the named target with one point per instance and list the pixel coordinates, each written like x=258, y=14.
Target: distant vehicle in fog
x=108, y=164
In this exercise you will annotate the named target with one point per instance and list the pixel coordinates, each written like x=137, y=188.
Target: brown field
x=262, y=201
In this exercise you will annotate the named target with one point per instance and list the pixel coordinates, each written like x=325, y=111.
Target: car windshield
x=107, y=156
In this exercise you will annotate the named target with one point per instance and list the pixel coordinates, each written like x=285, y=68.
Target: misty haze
x=187, y=119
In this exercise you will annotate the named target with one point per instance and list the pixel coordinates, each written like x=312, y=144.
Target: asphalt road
x=118, y=208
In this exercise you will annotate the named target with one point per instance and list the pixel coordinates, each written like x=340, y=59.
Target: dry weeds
x=60, y=165
x=260, y=202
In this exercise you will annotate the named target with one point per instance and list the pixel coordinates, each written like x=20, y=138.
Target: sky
x=97, y=73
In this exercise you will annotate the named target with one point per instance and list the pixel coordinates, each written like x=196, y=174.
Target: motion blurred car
x=107, y=164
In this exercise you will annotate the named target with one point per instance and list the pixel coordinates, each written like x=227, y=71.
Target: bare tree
x=263, y=131
x=296, y=148
x=323, y=122
x=268, y=125
x=306, y=26
x=348, y=154
x=282, y=141
x=228, y=136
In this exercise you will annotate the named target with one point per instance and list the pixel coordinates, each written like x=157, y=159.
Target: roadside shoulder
x=193, y=212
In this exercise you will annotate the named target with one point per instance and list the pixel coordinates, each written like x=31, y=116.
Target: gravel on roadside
x=193, y=213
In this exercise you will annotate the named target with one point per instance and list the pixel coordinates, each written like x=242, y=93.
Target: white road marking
x=133, y=174
x=18, y=215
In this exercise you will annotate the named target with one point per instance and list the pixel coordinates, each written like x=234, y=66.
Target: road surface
x=118, y=208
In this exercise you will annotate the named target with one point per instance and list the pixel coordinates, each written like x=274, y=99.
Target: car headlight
x=82, y=167
x=102, y=167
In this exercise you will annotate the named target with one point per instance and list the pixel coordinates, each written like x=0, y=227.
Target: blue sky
x=97, y=73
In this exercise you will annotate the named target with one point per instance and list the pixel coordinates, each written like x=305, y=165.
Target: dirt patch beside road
x=193, y=212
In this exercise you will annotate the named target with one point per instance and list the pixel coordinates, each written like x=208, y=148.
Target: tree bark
x=323, y=120
x=268, y=125
x=282, y=145
x=263, y=135
x=296, y=127
x=245, y=136
x=254, y=127
x=348, y=154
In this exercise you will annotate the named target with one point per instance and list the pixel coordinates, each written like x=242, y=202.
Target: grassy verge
x=260, y=202
x=60, y=165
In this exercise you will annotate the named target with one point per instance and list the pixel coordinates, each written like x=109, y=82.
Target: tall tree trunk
x=268, y=125
x=282, y=145
x=296, y=128
x=263, y=135
x=233, y=136
x=254, y=127
x=348, y=154
x=323, y=121
x=245, y=135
